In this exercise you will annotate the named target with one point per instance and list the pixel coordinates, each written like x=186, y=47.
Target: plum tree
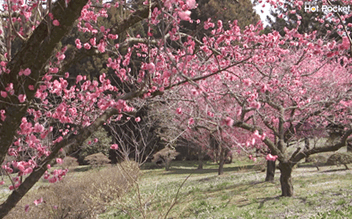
x=273, y=88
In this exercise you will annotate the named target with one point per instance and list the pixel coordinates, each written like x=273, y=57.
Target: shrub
x=79, y=197
x=98, y=159
x=98, y=142
x=317, y=160
x=164, y=157
x=340, y=158
x=69, y=163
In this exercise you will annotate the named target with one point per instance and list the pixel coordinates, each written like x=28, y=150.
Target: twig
x=175, y=200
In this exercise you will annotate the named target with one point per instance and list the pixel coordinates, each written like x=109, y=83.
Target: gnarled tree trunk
x=270, y=171
x=286, y=179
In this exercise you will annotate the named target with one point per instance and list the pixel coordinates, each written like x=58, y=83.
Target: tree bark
x=270, y=171
x=286, y=179
x=349, y=146
x=200, y=160
x=221, y=166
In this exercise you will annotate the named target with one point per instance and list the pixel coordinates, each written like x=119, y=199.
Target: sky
x=266, y=11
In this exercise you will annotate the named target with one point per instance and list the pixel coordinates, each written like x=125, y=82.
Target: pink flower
x=3, y=94
x=67, y=74
x=247, y=82
x=56, y=23
x=22, y=98
x=59, y=160
x=87, y=46
x=179, y=110
x=53, y=180
x=101, y=47
x=95, y=140
x=191, y=121
x=271, y=157
x=2, y=183
x=191, y=4
x=114, y=146
x=229, y=121
x=185, y=15
x=79, y=78
x=26, y=208
x=138, y=119
x=31, y=87
x=27, y=72
x=78, y=44
x=38, y=201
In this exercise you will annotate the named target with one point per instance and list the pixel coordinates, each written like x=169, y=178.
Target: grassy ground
x=239, y=193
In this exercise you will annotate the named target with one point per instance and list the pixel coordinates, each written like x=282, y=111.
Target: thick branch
x=30, y=181
x=34, y=55
x=305, y=153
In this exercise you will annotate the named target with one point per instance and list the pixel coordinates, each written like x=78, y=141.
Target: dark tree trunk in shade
x=270, y=171
x=286, y=179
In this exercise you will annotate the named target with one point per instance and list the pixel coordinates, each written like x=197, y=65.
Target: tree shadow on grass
x=82, y=168
x=177, y=170
x=263, y=200
x=331, y=171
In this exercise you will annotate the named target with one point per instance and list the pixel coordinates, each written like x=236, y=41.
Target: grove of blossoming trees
x=274, y=88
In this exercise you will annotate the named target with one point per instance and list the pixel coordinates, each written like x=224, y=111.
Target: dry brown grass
x=79, y=197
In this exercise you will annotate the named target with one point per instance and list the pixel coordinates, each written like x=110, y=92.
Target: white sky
x=266, y=12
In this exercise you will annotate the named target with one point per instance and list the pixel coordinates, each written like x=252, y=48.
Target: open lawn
x=240, y=193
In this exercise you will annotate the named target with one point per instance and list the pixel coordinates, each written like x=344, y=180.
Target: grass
x=241, y=193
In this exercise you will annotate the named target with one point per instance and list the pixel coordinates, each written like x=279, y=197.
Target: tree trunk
x=349, y=147
x=286, y=179
x=221, y=167
x=200, y=160
x=306, y=143
x=270, y=171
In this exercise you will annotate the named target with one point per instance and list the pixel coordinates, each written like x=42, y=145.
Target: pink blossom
x=271, y=157
x=27, y=72
x=38, y=201
x=87, y=46
x=59, y=160
x=191, y=4
x=95, y=140
x=53, y=180
x=114, y=146
x=191, y=121
x=56, y=23
x=247, y=81
x=179, y=110
x=3, y=94
x=22, y=98
x=2, y=183
x=101, y=47
x=138, y=119
x=31, y=87
x=229, y=121
x=79, y=78
x=26, y=208
x=185, y=15
x=78, y=44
